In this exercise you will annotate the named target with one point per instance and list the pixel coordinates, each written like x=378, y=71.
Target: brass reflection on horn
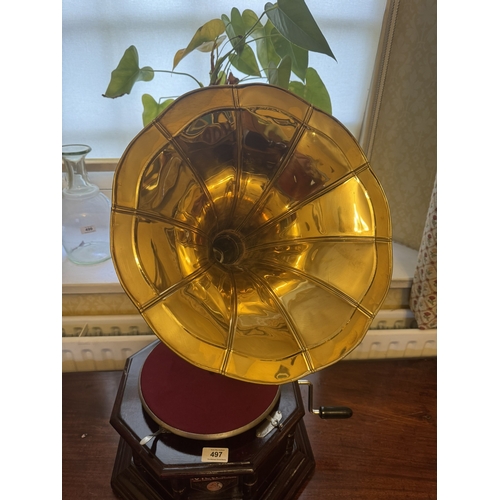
x=251, y=233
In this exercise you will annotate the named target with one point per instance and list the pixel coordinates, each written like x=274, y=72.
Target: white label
x=87, y=229
x=215, y=455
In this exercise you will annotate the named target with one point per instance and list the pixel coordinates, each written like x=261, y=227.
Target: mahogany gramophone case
x=250, y=232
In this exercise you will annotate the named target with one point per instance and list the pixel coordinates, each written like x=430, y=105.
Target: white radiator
x=93, y=343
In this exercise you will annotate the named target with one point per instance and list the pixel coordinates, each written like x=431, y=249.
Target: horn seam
x=284, y=163
x=319, y=194
x=171, y=290
x=291, y=325
x=232, y=325
x=323, y=239
x=152, y=217
x=323, y=284
x=239, y=151
x=184, y=158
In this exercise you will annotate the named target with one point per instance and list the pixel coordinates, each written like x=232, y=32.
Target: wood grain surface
x=386, y=450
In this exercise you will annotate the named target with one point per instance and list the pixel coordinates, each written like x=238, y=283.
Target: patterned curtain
x=423, y=296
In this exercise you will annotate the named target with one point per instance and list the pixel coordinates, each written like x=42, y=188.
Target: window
x=97, y=32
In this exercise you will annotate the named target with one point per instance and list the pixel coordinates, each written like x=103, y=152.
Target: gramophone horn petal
x=209, y=146
x=170, y=189
x=251, y=233
x=302, y=176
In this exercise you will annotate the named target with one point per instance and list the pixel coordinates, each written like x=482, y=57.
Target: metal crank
x=326, y=412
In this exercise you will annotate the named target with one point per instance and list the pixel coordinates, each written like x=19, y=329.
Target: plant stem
x=248, y=33
x=246, y=78
x=178, y=73
x=218, y=64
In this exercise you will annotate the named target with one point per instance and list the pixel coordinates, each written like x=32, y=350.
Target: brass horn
x=251, y=233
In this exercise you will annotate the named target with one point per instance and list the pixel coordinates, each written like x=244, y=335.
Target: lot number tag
x=87, y=229
x=215, y=455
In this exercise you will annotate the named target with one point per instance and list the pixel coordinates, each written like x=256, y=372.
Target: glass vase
x=85, y=211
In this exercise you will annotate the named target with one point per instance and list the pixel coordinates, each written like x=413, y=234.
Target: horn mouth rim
x=217, y=246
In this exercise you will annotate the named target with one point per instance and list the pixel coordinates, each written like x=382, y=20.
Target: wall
x=399, y=133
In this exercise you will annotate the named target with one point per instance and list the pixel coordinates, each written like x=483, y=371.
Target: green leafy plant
x=274, y=50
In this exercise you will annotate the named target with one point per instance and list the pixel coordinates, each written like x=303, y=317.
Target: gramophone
x=250, y=232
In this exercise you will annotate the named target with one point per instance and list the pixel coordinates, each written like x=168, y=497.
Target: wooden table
x=387, y=450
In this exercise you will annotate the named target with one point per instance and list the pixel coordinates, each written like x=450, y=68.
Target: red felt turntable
x=227, y=406
x=251, y=234
x=211, y=437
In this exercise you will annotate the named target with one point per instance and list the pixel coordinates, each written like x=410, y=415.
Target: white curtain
x=96, y=33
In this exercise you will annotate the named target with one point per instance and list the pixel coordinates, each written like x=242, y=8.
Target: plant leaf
x=178, y=56
x=209, y=46
x=152, y=108
x=243, y=59
x=261, y=34
x=221, y=78
x=127, y=73
x=251, y=22
x=314, y=91
x=295, y=22
x=209, y=32
x=298, y=55
x=233, y=30
x=280, y=76
x=245, y=62
x=298, y=88
x=237, y=23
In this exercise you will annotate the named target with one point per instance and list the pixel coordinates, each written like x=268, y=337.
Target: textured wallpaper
x=402, y=139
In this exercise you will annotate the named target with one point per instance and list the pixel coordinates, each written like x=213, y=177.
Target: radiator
x=91, y=343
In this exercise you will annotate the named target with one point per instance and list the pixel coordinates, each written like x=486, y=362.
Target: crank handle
x=325, y=412
x=333, y=412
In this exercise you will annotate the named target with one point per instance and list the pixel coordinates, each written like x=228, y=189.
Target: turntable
x=250, y=232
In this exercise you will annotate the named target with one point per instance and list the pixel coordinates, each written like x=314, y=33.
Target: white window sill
x=101, y=278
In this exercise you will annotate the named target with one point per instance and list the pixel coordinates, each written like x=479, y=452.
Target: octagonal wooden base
x=273, y=467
